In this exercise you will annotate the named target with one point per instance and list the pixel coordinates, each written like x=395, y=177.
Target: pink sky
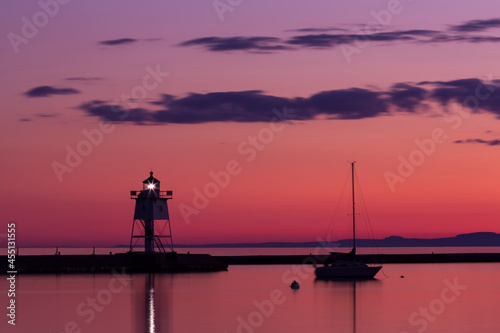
x=288, y=191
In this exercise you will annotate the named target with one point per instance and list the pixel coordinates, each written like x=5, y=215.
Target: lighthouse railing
x=148, y=194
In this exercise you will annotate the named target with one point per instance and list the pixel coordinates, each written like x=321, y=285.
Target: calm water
x=430, y=298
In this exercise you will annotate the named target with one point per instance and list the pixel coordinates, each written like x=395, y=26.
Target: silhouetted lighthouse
x=150, y=208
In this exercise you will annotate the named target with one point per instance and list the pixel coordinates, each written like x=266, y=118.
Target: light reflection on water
x=150, y=288
x=253, y=299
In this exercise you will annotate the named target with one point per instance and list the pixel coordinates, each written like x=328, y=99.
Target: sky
x=250, y=111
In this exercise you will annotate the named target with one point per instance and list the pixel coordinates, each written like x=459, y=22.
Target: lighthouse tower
x=151, y=220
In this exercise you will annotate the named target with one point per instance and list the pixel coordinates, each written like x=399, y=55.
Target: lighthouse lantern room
x=151, y=223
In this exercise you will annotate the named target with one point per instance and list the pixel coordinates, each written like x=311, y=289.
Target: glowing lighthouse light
x=151, y=186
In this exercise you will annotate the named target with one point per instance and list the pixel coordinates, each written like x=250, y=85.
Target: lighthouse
x=151, y=223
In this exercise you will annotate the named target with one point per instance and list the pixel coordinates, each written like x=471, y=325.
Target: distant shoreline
x=482, y=239
x=477, y=239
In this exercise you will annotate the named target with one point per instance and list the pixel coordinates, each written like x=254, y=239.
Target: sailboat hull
x=360, y=271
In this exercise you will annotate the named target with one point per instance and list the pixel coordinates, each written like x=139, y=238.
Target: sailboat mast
x=353, y=211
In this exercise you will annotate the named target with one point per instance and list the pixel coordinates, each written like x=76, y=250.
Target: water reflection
x=152, y=303
x=341, y=298
x=219, y=302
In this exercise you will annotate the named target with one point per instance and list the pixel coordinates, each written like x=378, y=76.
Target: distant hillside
x=472, y=239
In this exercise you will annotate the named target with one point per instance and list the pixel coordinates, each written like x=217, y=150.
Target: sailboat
x=348, y=268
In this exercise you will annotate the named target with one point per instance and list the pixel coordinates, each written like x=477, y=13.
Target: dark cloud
x=120, y=41
x=403, y=35
x=352, y=103
x=444, y=38
x=315, y=29
x=47, y=115
x=322, y=39
x=240, y=106
x=237, y=43
x=494, y=142
x=331, y=40
x=81, y=78
x=479, y=39
x=472, y=93
x=453, y=91
x=45, y=91
x=116, y=113
x=407, y=96
x=245, y=106
x=476, y=25
x=484, y=39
